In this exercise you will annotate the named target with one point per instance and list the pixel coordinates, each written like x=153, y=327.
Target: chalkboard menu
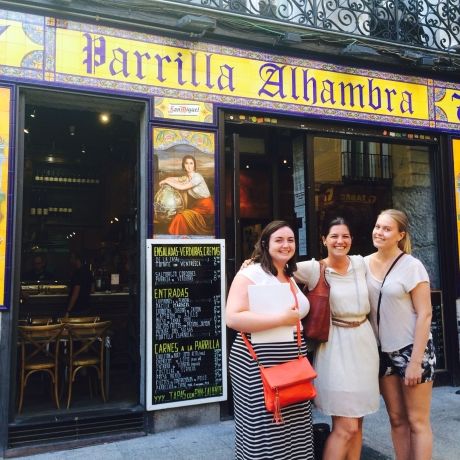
x=185, y=322
x=437, y=329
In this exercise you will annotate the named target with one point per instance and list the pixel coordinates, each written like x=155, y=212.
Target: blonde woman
x=402, y=325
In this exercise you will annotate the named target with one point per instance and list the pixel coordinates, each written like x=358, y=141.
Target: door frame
x=9, y=322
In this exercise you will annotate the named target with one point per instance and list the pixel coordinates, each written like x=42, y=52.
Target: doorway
x=79, y=229
x=265, y=180
x=307, y=174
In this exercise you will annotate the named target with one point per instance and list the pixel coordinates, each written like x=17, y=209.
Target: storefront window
x=357, y=179
x=79, y=253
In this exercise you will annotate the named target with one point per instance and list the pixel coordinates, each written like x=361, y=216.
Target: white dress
x=348, y=363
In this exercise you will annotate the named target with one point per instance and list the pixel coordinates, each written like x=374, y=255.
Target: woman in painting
x=196, y=218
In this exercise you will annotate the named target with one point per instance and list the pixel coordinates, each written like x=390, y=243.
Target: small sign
x=180, y=109
x=186, y=335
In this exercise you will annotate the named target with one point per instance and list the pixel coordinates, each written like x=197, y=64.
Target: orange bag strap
x=299, y=338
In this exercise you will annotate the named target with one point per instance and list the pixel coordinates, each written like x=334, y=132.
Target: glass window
x=357, y=179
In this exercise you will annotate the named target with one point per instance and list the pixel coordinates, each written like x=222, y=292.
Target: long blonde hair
x=402, y=220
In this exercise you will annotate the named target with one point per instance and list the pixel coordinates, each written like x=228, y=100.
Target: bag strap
x=322, y=273
x=299, y=339
x=321, y=280
x=380, y=293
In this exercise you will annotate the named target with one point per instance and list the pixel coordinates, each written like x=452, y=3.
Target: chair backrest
x=79, y=319
x=40, y=321
x=37, y=340
x=85, y=337
x=35, y=321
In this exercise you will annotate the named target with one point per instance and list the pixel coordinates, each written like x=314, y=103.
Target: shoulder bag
x=287, y=383
x=316, y=324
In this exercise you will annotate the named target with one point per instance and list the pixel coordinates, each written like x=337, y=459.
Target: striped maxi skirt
x=256, y=434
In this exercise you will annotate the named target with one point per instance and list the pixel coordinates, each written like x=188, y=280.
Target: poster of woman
x=183, y=178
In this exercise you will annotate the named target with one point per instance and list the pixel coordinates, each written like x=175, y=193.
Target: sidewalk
x=215, y=442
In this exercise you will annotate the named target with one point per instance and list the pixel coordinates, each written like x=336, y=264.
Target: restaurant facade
x=102, y=121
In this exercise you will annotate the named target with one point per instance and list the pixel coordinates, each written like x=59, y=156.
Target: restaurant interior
x=79, y=239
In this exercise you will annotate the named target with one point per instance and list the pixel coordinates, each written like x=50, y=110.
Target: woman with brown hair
x=257, y=436
x=347, y=364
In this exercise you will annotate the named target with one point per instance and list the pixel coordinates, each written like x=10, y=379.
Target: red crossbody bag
x=287, y=383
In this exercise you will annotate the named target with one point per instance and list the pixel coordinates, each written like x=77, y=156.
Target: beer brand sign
x=77, y=54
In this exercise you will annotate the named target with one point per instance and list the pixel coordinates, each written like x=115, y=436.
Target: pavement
x=215, y=442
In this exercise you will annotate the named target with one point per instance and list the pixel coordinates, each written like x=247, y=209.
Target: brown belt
x=343, y=323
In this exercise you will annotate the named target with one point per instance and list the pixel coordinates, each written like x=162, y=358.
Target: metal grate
x=29, y=435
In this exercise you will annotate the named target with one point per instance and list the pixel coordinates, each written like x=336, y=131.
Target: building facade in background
x=155, y=140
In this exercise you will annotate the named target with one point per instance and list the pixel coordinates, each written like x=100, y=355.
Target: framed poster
x=186, y=334
x=183, y=183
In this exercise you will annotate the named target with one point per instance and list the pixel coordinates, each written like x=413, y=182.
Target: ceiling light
x=104, y=118
x=72, y=130
x=26, y=130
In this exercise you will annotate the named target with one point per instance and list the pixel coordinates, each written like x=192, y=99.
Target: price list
x=187, y=331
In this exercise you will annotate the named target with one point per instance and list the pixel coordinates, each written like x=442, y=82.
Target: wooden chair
x=79, y=319
x=35, y=321
x=39, y=353
x=87, y=350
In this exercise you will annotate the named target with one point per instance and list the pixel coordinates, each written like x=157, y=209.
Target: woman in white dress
x=347, y=364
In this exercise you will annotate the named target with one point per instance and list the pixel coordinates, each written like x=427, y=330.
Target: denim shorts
x=395, y=362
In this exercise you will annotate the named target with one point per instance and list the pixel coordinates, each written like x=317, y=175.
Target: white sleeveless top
x=397, y=315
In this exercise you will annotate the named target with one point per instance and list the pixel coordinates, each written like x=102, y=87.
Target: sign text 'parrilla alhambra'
x=119, y=59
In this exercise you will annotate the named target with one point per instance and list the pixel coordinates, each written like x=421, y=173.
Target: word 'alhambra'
x=277, y=81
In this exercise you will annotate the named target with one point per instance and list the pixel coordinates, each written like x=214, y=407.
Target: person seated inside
x=38, y=272
x=80, y=287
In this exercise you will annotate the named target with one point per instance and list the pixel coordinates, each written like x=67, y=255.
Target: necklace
x=342, y=269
